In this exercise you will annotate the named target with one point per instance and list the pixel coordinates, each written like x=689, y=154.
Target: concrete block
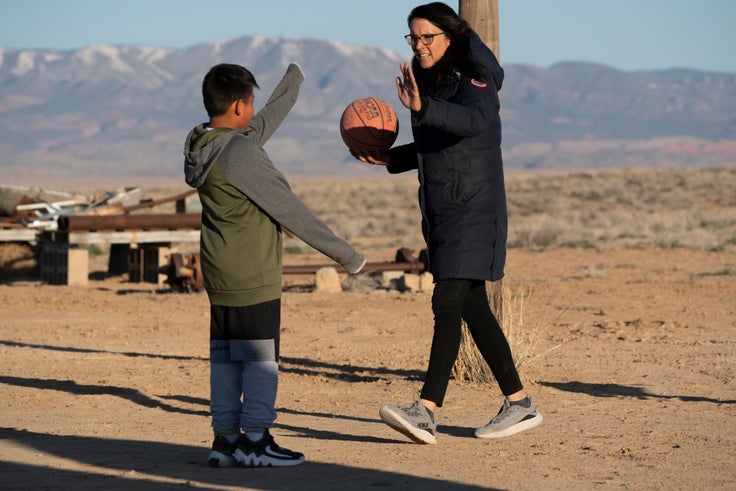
x=153, y=259
x=327, y=280
x=390, y=279
x=426, y=282
x=411, y=282
x=61, y=265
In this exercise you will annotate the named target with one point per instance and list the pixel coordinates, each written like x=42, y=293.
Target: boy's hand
x=295, y=68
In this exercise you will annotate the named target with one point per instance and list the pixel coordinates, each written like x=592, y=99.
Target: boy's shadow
x=159, y=465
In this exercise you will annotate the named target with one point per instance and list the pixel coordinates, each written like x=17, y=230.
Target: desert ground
x=625, y=285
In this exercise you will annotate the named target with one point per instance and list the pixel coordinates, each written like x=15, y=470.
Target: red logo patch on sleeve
x=478, y=83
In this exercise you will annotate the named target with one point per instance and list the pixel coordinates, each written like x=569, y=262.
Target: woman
x=451, y=90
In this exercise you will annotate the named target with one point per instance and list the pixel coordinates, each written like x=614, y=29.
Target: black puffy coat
x=457, y=151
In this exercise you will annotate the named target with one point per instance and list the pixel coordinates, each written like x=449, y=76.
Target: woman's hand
x=407, y=88
x=379, y=158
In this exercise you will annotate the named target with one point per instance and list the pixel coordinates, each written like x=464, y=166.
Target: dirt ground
x=106, y=386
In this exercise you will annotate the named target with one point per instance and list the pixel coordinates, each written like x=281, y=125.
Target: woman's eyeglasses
x=426, y=39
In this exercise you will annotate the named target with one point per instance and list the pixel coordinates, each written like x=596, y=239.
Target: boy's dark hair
x=224, y=84
x=458, y=31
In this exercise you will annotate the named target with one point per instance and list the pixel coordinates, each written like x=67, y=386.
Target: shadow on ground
x=159, y=465
x=617, y=390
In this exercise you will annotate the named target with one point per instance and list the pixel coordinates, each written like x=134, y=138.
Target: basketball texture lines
x=369, y=125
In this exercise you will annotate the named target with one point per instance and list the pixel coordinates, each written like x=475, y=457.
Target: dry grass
x=371, y=213
x=523, y=339
x=689, y=207
x=667, y=207
x=673, y=207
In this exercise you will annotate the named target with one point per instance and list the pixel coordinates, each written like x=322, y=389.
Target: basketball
x=369, y=125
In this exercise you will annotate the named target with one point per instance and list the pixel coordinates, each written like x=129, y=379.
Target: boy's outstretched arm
x=263, y=184
x=269, y=118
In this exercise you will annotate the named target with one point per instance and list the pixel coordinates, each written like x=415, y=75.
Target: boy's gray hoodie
x=231, y=171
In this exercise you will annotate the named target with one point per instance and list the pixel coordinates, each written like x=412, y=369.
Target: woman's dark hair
x=458, y=31
x=224, y=84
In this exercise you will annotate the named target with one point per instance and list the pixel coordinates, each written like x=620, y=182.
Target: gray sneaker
x=512, y=418
x=415, y=421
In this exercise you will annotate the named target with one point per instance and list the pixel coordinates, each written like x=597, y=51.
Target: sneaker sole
x=397, y=423
x=219, y=459
x=512, y=430
x=264, y=461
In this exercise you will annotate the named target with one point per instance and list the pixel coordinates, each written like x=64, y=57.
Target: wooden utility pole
x=482, y=15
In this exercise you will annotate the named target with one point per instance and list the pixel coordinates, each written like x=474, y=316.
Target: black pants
x=454, y=300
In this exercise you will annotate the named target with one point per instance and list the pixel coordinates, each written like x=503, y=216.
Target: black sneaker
x=265, y=453
x=222, y=452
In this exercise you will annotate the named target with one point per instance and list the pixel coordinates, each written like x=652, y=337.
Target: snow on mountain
x=125, y=110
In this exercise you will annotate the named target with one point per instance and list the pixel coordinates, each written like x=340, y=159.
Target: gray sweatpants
x=243, y=385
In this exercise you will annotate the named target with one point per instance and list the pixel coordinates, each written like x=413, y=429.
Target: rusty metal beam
x=152, y=203
x=170, y=221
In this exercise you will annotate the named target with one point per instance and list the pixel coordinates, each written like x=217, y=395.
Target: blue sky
x=625, y=34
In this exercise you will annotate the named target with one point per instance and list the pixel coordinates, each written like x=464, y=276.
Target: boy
x=245, y=203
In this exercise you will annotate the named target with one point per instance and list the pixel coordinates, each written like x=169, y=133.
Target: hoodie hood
x=201, y=149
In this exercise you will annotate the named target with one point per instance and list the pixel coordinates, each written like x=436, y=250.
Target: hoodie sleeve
x=282, y=99
x=263, y=184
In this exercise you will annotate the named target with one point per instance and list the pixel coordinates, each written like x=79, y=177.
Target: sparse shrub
x=720, y=272
x=664, y=207
x=94, y=250
x=523, y=339
x=678, y=207
x=293, y=249
x=585, y=244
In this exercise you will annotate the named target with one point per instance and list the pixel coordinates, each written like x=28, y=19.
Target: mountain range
x=117, y=111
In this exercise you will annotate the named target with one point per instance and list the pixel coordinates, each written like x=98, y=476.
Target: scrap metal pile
x=64, y=214
x=39, y=209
